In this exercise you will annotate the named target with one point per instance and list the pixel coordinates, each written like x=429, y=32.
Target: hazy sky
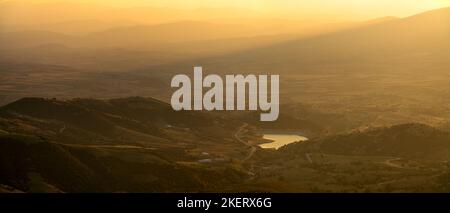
x=358, y=9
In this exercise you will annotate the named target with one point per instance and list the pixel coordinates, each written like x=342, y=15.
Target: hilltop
x=417, y=141
x=130, y=144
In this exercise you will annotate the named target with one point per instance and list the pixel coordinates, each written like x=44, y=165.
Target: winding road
x=250, y=154
x=240, y=131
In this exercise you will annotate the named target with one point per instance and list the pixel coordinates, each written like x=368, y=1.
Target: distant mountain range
x=414, y=42
x=23, y=15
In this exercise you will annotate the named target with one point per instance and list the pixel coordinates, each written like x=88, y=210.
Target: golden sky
x=346, y=9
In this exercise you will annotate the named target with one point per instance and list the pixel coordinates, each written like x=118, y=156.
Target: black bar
x=149, y=202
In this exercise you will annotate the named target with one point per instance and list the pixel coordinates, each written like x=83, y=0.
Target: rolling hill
x=414, y=141
x=132, y=144
x=141, y=145
x=109, y=118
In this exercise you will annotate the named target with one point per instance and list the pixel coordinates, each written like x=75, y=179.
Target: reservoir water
x=279, y=140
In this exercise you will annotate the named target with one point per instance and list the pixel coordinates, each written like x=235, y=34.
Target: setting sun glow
x=299, y=9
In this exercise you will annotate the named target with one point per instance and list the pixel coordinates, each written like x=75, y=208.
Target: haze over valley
x=85, y=93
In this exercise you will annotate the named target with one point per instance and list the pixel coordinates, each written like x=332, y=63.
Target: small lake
x=280, y=140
